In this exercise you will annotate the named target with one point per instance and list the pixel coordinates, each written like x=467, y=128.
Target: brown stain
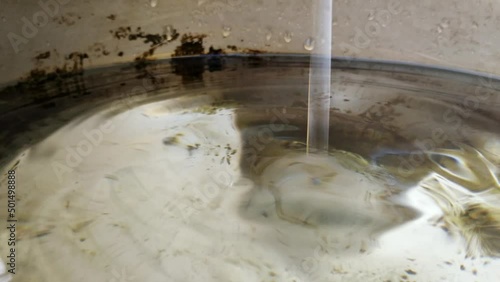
x=214, y=61
x=45, y=83
x=67, y=19
x=65, y=79
x=192, y=68
x=121, y=32
x=43, y=56
x=191, y=44
x=154, y=39
x=98, y=50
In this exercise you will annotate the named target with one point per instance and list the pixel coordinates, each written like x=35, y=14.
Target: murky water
x=171, y=174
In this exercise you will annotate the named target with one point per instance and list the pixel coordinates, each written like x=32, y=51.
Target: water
x=318, y=116
x=204, y=176
x=309, y=44
x=226, y=31
x=170, y=32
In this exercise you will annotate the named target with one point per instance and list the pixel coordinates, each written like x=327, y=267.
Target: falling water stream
x=320, y=46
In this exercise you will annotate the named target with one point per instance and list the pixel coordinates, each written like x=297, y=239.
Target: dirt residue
x=191, y=44
x=191, y=68
x=43, y=56
x=98, y=49
x=154, y=39
x=65, y=79
x=67, y=19
x=121, y=32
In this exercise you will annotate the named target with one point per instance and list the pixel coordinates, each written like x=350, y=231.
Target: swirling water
x=207, y=187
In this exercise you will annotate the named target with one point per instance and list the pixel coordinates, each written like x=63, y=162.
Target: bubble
x=226, y=31
x=287, y=36
x=309, y=44
x=153, y=3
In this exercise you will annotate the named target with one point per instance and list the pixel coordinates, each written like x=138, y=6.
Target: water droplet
x=226, y=31
x=47, y=43
x=309, y=44
x=439, y=29
x=269, y=35
x=371, y=15
x=334, y=23
x=287, y=36
x=4, y=19
x=169, y=32
x=153, y=3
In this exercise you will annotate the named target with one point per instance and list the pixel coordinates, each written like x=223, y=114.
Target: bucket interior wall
x=41, y=36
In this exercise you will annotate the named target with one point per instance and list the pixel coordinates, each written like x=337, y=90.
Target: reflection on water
x=217, y=186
